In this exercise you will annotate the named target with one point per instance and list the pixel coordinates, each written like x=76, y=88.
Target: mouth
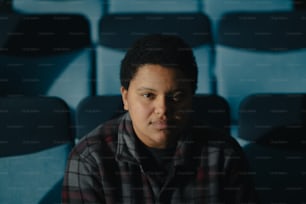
x=160, y=125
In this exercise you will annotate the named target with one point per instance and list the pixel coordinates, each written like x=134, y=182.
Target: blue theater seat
x=45, y=54
x=94, y=110
x=119, y=31
x=92, y=10
x=210, y=111
x=134, y=6
x=260, y=52
x=35, y=141
x=216, y=8
x=275, y=126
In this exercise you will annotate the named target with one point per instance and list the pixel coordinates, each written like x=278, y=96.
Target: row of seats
x=37, y=136
x=254, y=52
x=94, y=9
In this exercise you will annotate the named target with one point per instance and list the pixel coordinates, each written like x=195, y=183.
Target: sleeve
x=239, y=185
x=82, y=182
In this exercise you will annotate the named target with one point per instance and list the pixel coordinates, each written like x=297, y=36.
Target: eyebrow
x=153, y=90
x=145, y=89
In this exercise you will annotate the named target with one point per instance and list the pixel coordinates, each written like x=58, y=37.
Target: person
x=153, y=153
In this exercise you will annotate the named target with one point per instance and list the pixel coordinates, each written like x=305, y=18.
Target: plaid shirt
x=106, y=166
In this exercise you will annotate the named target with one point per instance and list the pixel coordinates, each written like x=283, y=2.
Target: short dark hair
x=169, y=51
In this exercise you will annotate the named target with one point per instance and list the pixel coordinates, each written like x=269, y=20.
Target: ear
x=124, y=95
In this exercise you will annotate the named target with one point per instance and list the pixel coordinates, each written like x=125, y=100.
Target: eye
x=148, y=95
x=177, y=97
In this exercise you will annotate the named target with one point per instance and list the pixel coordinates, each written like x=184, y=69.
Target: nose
x=161, y=106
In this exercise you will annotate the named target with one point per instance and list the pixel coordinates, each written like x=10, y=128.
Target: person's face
x=158, y=100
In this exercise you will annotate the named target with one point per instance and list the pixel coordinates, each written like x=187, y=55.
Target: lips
x=163, y=125
x=160, y=125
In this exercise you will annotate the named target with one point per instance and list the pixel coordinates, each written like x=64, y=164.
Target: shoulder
x=101, y=140
x=215, y=140
x=220, y=150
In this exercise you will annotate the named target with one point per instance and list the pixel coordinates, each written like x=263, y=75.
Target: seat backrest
x=275, y=126
x=210, y=111
x=92, y=10
x=36, y=138
x=277, y=113
x=119, y=31
x=45, y=55
x=215, y=9
x=260, y=52
x=94, y=110
x=123, y=6
x=6, y=6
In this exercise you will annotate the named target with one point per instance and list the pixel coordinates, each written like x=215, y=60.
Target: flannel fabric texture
x=107, y=166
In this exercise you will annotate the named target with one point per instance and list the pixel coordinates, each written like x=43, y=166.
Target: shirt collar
x=126, y=147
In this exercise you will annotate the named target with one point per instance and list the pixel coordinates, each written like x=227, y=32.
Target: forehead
x=155, y=71
x=151, y=75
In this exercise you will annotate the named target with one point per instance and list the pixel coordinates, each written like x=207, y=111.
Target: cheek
x=140, y=111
